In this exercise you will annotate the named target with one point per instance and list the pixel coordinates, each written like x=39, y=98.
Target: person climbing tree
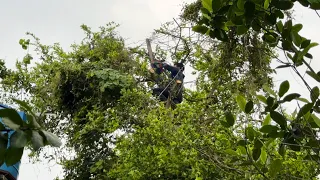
x=174, y=87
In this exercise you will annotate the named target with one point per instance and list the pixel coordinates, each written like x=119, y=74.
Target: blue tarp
x=12, y=170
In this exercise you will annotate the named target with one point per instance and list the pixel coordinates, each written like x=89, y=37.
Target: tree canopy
x=232, y=125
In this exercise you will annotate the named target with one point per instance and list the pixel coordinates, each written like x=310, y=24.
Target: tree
x=76, y=94
x=231, y=126
x=264, y=17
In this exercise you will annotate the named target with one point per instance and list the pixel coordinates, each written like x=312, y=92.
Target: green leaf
x=307, y=115
x=279, y=14
x=284, y=4
x=13, y=155
x=250, y=133
x=275, y=167
x=11, y=118
x=229, y=23
x=308, y=55
x=269, y=90
x=205, y=11
x=268, y=129
x=282, y=150
x=314, y=94
x=262, y=98
x=255, y=26
x=241, y=30
x=203, y=20
x=313, y=143
x=271, y=19
x=249, y=7
x=293, y=144
x=24, y=106
x=207, y=4
x=296, y=38
x=304, y=110
x=37, y=140
x=21, y=41
x=249, y=107
x=224, y=10
x=246, y=163
x=291, y=97
x=240, y=4
x=242, y=143
x=267, y=120
x=279, y=26
x=314, y=75
x=316, y=119
x=225, y=124
x=270, y=101
x=8, y=122
x=200, y=29
x=305, y=50
x=241, y=102
x=237, y=20
x=304, y=3
x=18, y=139
x=276, y=134
x=290, y=56
x=231, y=152
x=294, y=113
x=303, y=100
x=305, y=43
x=241, y=150
x=266, y=4
x=286, y=45
x=315, y=6
x=220, y=35
x=263, y=156
x=256, y=154
x=284, y=87
x=279, y=119
x=211, y=34
x=297, y=27
x=32, y=122
x=216, y=5
x=53, y=140
x=269, y=38
x=283, y=66
x=275, y=106
x=258, y=143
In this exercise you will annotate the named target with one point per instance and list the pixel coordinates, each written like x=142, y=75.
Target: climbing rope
x=169, y=83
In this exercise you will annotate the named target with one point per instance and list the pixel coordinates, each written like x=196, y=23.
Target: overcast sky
x=60, y=20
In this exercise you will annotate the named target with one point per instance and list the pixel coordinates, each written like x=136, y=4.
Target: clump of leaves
x=19, y=130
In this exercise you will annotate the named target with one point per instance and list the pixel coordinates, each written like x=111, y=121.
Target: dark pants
x=165, y=94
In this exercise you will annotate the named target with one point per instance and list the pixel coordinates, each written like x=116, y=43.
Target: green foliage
x=230, y=119
x=241, y=102
x=24, y=134
x=264, y=17
x=284, y=87
x=223, y=129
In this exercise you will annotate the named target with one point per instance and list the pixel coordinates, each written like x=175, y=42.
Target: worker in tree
x=175, y=86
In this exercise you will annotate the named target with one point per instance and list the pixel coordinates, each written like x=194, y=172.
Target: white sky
x=60, y=20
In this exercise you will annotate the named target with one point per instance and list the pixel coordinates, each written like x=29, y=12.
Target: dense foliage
x=232, y=125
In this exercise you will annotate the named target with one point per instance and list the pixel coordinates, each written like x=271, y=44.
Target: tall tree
x=223, y=129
